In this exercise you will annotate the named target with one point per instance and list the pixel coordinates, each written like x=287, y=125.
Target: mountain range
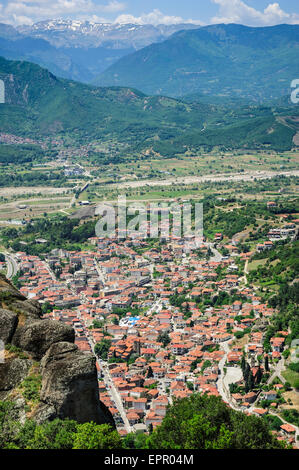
x=219, y=64
x=38, y=105
x=225, y=61
x=74, y=33
x=79, y=50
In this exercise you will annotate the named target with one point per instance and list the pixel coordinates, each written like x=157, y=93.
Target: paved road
x=115, y=394
x=156, y=307
x=12, y=266
x=286, y=422
x=222, y=387
x=225, y=395
x=100, y=273
x=217, y=256
x=246, y=271
x=220, y=382
x=277, y=372
x=111, y=388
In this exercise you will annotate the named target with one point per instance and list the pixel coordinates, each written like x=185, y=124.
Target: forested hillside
x=38, y=104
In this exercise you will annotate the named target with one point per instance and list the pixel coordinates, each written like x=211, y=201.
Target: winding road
x=12, y=266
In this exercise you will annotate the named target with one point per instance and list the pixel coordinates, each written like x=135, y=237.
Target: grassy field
x=294, y=397
x=200, y=164
x=256, y=263
x=292, y=377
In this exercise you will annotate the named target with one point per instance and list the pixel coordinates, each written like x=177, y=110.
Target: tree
x=135, y=440
x=259, y=376
x=267, y=363
x=164, y=339
x=150, y=428
x=57, y=434
x=94, y=436
x=97, y=324
x=246, y=371
x=205, y=422
x=249, y=384
x=47, y=307
x=243, y=364
x=8, y=427
x=101, y=349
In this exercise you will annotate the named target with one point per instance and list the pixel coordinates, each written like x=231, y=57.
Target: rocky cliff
x=43, y=372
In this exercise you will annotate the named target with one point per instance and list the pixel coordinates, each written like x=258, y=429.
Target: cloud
x=29, y=11
x=230, y=11
x=155, y=17
x=237, y=11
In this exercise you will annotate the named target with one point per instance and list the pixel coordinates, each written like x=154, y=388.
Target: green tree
x=259, y=376
x=8, y=426
x=57, y=434
x=267, y=363
x=246, y=371
x=206, y=422
x=243, y=363
x=101, y=349
x=164, y=339
x=150, y=373
x=94, y=436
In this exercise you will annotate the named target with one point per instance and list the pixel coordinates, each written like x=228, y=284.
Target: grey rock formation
x=69, y=376
x=36, y=337
x=8, y=325
x=12, y=373
x=29, y=308
x=69, y=385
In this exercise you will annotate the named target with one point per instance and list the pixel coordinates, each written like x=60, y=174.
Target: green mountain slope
x=220, y=60
x=49, y=105
x=73, y=63
x=38, y=104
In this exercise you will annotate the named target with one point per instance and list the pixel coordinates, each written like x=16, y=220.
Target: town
x=165, y=319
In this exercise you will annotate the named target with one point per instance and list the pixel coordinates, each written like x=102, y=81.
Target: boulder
x=12, y=373
x=37, y=337
x=70, y=385
x=30, y=309
x=8, y=325
x=69, y=377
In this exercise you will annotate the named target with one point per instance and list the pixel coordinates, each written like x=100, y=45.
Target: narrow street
x=222, y=386
x=111, y=388
x=217, y=256
x=114, y=393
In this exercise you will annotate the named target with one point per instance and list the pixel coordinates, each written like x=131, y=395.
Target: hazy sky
x=249, y=12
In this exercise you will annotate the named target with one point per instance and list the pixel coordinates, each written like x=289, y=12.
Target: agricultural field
x=44, y=188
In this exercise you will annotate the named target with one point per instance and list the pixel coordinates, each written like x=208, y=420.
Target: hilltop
x=220, y=60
